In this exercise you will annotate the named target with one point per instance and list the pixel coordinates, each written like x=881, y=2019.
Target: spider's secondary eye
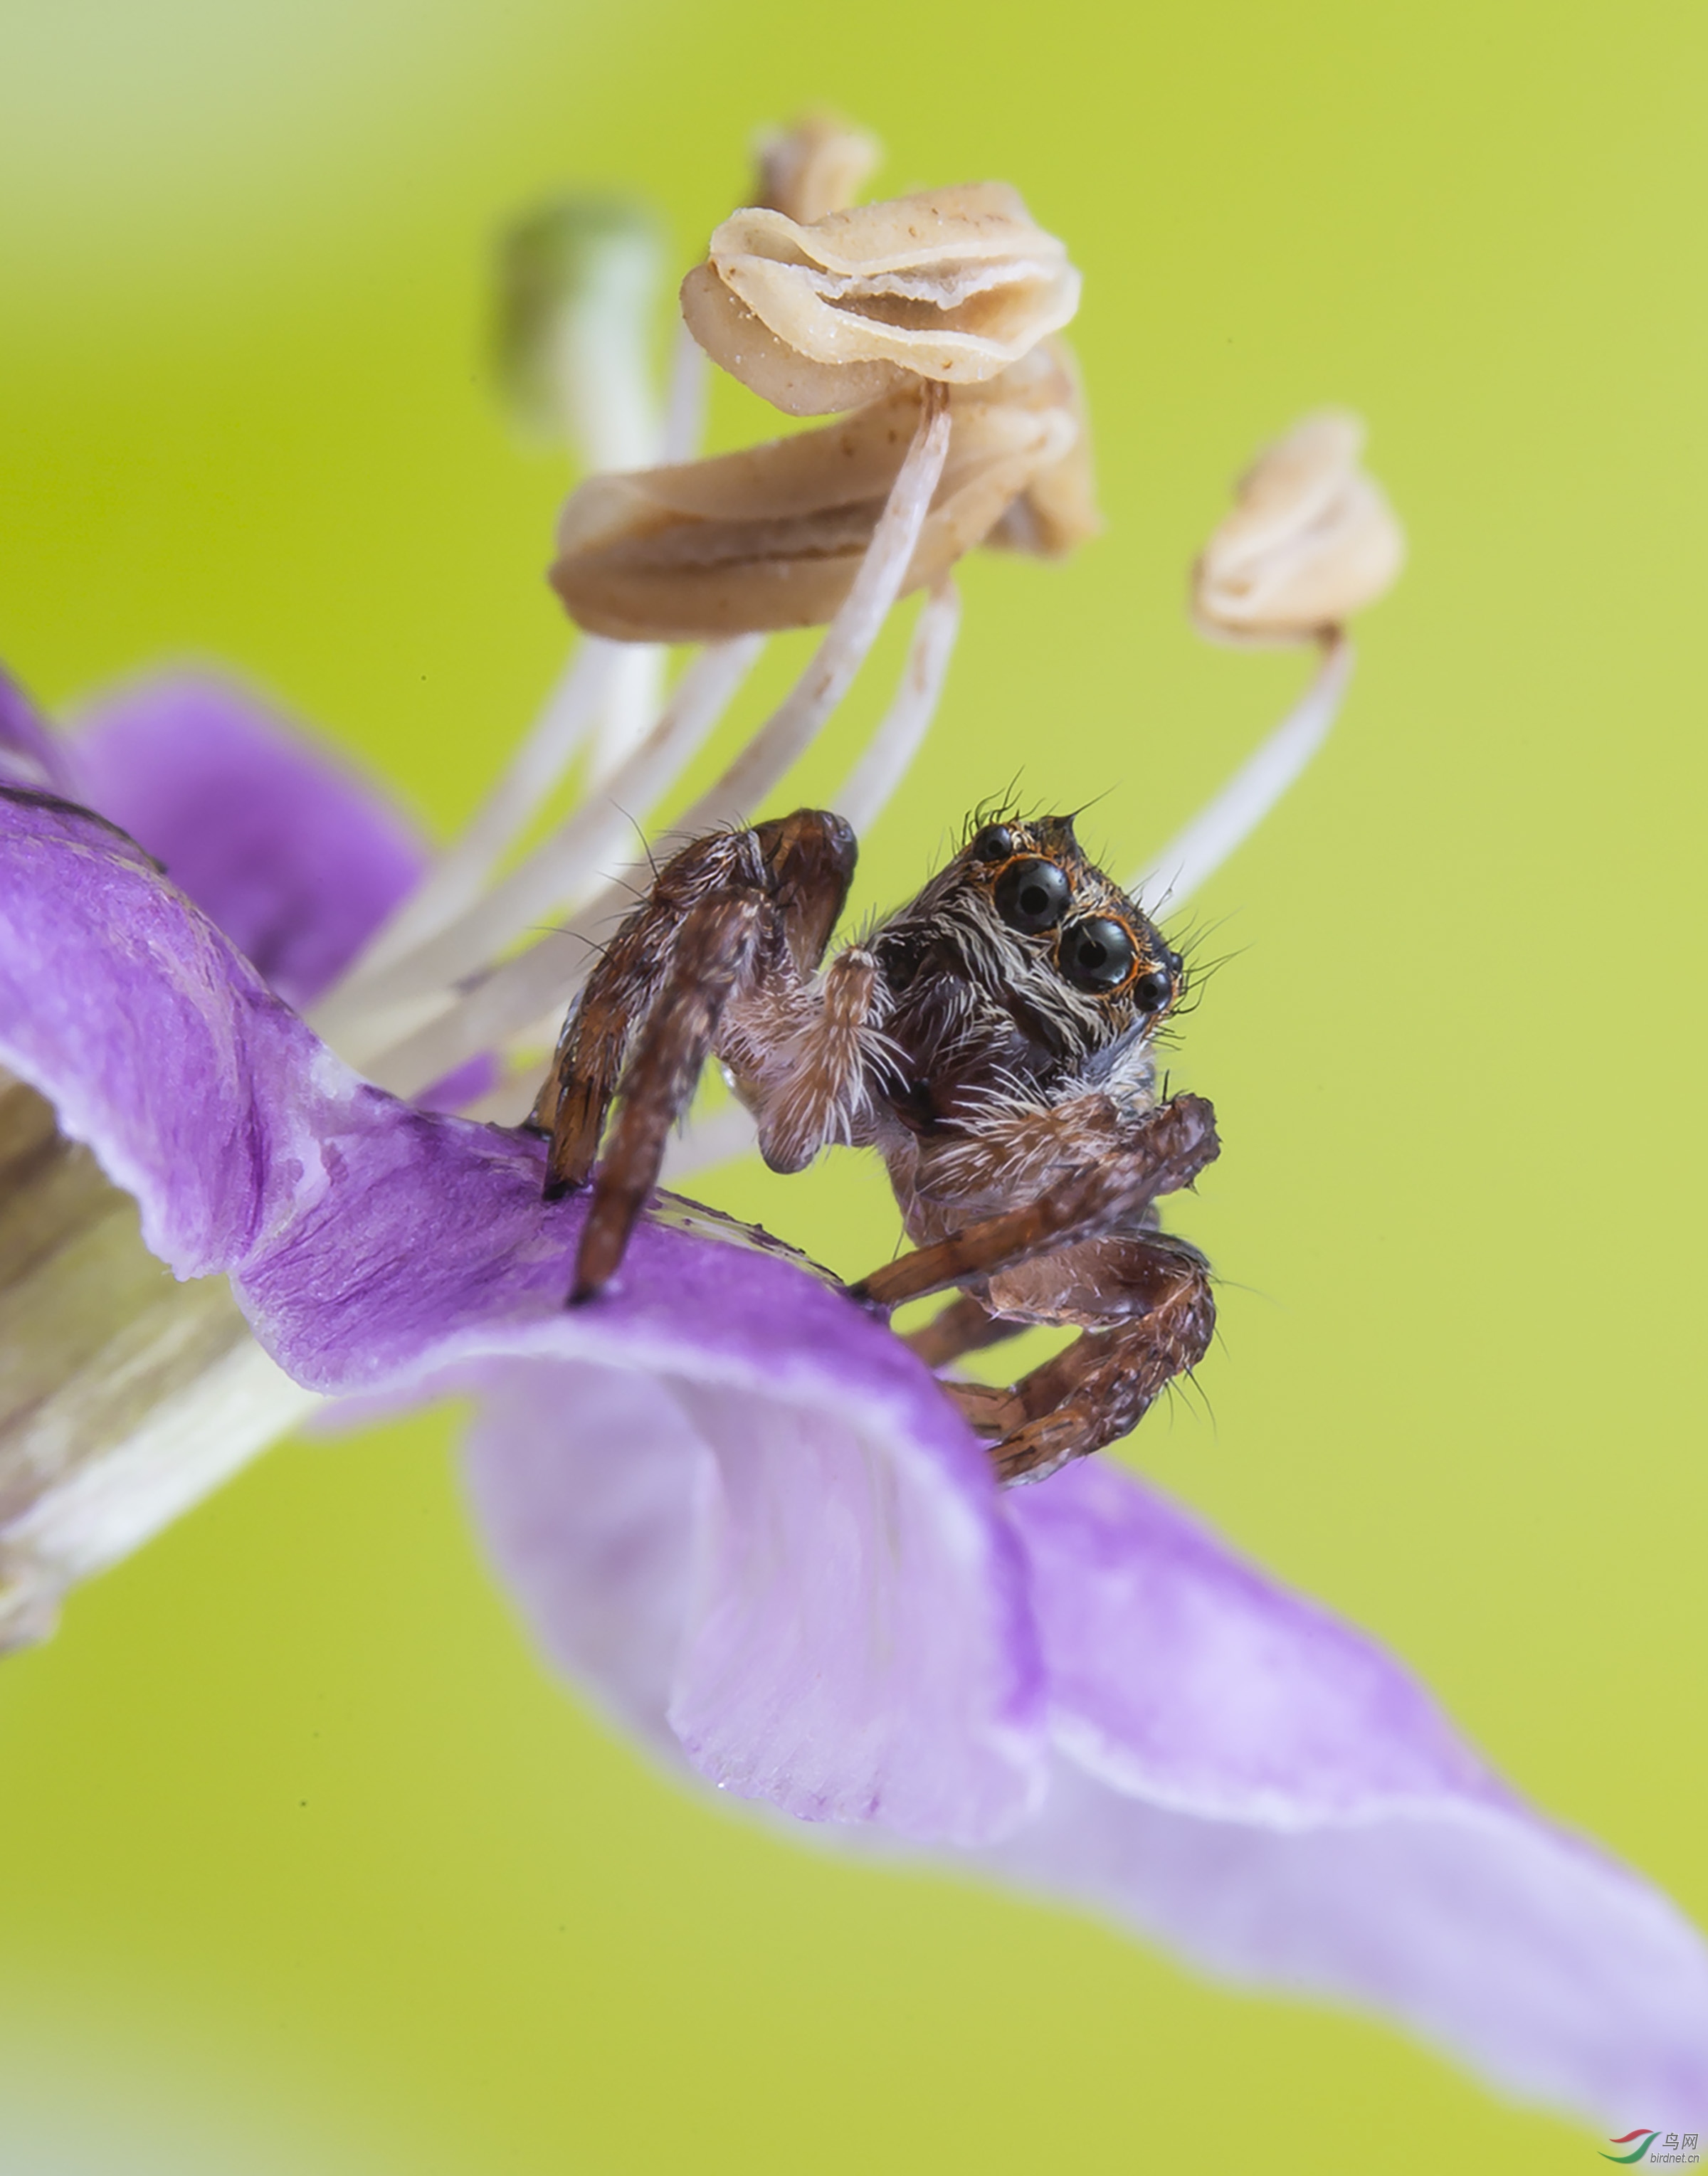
x=995, y=843
x=1151, y=991
x=1097, y=954
x=1032, y=895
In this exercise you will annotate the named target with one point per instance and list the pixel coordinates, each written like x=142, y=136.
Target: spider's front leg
x=725, y=914
x=1159, y=1316
x=1163, y=1152
x=965, y=1326
x=714, y=951
x=605, y=1018
x=1071, y=1253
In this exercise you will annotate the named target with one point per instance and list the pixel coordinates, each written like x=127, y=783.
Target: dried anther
x=1058, y=508
x=772, y=536
x=954, y=284
x=576, y=279
x=1311, y=540
x=818, y=165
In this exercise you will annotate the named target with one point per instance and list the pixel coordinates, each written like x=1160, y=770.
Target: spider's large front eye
x=1097, y=953
x=1032, y=895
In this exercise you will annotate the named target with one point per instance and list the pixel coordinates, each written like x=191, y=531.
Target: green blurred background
x=307, y=1863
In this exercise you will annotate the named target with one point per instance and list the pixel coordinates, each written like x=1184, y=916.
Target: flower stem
x=636, y=695
x=456, y=880
x=568, y=863
x=514, y=994
x=607, y=411
x=685, y=398
x=792, y=727
x=867, y=787
x=1226, y=822
x=632, y=705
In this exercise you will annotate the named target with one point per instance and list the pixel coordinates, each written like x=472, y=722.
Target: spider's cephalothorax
x=1019, y=968
x=993, y=1040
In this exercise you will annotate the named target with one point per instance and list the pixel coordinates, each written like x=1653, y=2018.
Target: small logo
x=1676, y=2150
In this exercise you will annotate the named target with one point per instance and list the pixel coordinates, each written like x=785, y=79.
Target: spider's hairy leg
x=727, y=913
x=1019, y=1149
x=803, y=863
x=606, y=1016
x=965, y=1326
x=1165, y=1149
x=714, y=947
x=1096, y=1389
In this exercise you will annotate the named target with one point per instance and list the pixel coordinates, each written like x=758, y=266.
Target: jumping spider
x=994, y=1041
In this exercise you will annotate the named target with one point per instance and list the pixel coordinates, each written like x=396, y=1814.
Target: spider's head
x=1073, y=958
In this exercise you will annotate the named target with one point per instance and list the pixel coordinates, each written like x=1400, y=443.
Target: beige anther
x=818, y=166
x=953, y=285
x=771, y=537
x=576, y=278
x=1058, y=508
x=1311, y=541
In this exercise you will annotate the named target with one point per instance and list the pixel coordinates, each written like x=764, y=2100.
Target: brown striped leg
x=965, y=1326
x=714, y=947
x=607, y=1016
x=802, y=863
x=1175, y=1142
x=1101, y=1385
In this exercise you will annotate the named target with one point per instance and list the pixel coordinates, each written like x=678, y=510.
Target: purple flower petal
x=433, y=1255
x=380, y=1250
x=810, y=1616
x=1540, y=1965
x=1183, y=1676
x=157, y=1044
x=596, y=1545
x=295, y=858
x=874, y=1571
x=1253, y=1784
x=29, y=754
